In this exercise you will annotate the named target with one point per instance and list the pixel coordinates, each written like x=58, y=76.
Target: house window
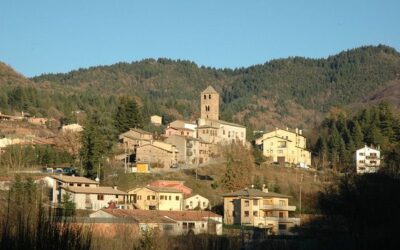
x=361, y=154
x=204, y=204
x=100, y=197
x=169, y=197
x=86, y=185
x=255, y=213
x=79, y=185
x=282, y=203
x=246, y=203
x=205, y=97
x=280, y=214
x=148, y=197
x=246, y=213
x=209, y=96
x=161, y=197
x=361, y=161
x=191, y=203
x=184, y=225
x=177, y=198
x=116, y=196
x=255, y=202
x=71, y=184
x=153, y=197
x=282, y=227
x=192, y=225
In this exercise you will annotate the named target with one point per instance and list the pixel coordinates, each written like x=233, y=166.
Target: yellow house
x=285, y=146
x=263, y=209
x=156, y=198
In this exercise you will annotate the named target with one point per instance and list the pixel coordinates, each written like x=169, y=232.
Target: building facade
x=368, y=160
x=135, y=138
x=196, y=202
x=209, y=104
x=284, y=146
x=156, y=198
x=263, y=209
x=161, y=154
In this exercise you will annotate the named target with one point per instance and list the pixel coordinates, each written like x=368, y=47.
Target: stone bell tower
x=209, y=104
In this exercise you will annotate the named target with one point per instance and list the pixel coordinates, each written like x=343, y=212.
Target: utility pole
x=125, y=163
x=301, y=182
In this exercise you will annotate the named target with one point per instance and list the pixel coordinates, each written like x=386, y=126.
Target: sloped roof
x=209, y=90
x=95, y=190
x=251, y=192
x=162, y=216
x=74, y=179
x=164, y=189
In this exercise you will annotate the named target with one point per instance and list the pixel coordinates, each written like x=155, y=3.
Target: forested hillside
x=285, y=92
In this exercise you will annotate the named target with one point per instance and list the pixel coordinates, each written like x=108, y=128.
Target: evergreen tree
x=358, y=136
x=127, y=115
x=93, y=144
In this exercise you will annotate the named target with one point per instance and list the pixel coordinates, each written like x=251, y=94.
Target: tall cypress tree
x=93, y=144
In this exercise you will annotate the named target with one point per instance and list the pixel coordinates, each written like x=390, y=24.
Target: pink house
x=172, y=184
x=179, y=131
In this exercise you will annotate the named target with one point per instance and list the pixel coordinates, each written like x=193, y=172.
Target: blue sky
x=38, y=36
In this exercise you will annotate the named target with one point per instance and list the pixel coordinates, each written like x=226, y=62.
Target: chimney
x=252, y=186
x=297, y=130
x=115, y=187
x=264, y=189
x=300, y=131
x=112, y=205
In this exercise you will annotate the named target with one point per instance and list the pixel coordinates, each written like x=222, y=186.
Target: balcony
x=278, y=207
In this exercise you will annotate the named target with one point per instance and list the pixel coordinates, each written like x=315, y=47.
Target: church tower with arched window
x=209, y=104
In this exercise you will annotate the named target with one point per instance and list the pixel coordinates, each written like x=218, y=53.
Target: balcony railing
x=278, y=207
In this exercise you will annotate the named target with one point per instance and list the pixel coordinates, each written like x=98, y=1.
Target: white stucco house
x=368, y=160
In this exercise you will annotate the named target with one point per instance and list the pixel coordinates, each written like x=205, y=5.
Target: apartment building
x=263, y=209
x=285, y=146
x=368, y=160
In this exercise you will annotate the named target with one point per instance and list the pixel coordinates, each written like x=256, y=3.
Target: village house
x=368, y=160
x=156, y=198
x=162, y=155
x=57, y=182
x=180, y=127
x=196, y=202
x=156, y=120
x=172, y=184
x=93, y=198
x=166, y=222
x=285, y=146
x=135, y=138
x=263, y=209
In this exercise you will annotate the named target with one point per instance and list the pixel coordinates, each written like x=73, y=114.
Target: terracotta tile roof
x=74, y=179
x=141, y=216
x=95, y=190
x=250, y=192
x=163, y=216
x=164, y=189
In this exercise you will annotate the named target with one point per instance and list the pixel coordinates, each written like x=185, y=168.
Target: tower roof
x=209, y=90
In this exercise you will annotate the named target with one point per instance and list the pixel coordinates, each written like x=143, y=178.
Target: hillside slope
x=286, y=92
x=279, y=91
